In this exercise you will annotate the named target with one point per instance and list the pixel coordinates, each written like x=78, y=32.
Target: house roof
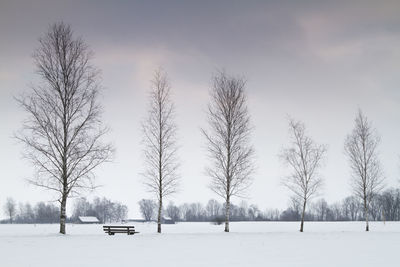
x=91, y=219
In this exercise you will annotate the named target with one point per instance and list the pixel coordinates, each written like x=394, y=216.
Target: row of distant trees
x=63, y=135
x=102, y=208
x=385, y=207
x=41, y=212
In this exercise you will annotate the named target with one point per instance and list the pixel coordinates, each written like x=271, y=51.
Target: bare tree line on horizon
x=64, y=136
x=105, y=210
x=384, y=207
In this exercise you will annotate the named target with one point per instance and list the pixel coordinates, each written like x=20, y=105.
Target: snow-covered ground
x=204, y=244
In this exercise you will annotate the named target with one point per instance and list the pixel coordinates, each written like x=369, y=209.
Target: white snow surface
x=204, y=244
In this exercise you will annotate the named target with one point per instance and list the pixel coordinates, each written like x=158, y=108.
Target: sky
x=315, y=61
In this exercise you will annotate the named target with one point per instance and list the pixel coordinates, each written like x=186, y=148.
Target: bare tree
x=304, y=157
x=173, y=212
x=10, y=208
x=147, y=208
x=253, y=212
x=63, y=132
x=321, y=209
x=213, y=208
x=160, y=153
x=361, y=149
x=351, y=207
x=228, y=138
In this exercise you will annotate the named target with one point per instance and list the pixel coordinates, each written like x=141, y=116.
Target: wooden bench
x=112, y=230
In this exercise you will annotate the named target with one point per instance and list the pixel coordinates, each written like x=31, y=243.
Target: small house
x=88, y=220
x=167, y=220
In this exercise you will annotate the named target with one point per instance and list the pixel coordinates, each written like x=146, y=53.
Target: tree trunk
x=159, y=216
x=227, y=209
x=366, y=215
x=302, y=216
x=63, y=215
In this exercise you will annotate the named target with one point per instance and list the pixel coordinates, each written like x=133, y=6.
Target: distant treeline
x=104, y=209
x=41, y=212
x=385, y=206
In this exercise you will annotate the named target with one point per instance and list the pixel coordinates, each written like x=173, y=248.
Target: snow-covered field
x=202, y=244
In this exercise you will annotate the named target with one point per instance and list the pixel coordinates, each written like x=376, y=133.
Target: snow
x=204, y=244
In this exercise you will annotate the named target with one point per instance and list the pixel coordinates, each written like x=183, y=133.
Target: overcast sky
x=315, y=61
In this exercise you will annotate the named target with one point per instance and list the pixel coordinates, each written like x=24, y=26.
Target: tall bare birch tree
x=160, y=153
x=228, y=140
x=63, y=132
x=304, y=157
x=361, y=149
